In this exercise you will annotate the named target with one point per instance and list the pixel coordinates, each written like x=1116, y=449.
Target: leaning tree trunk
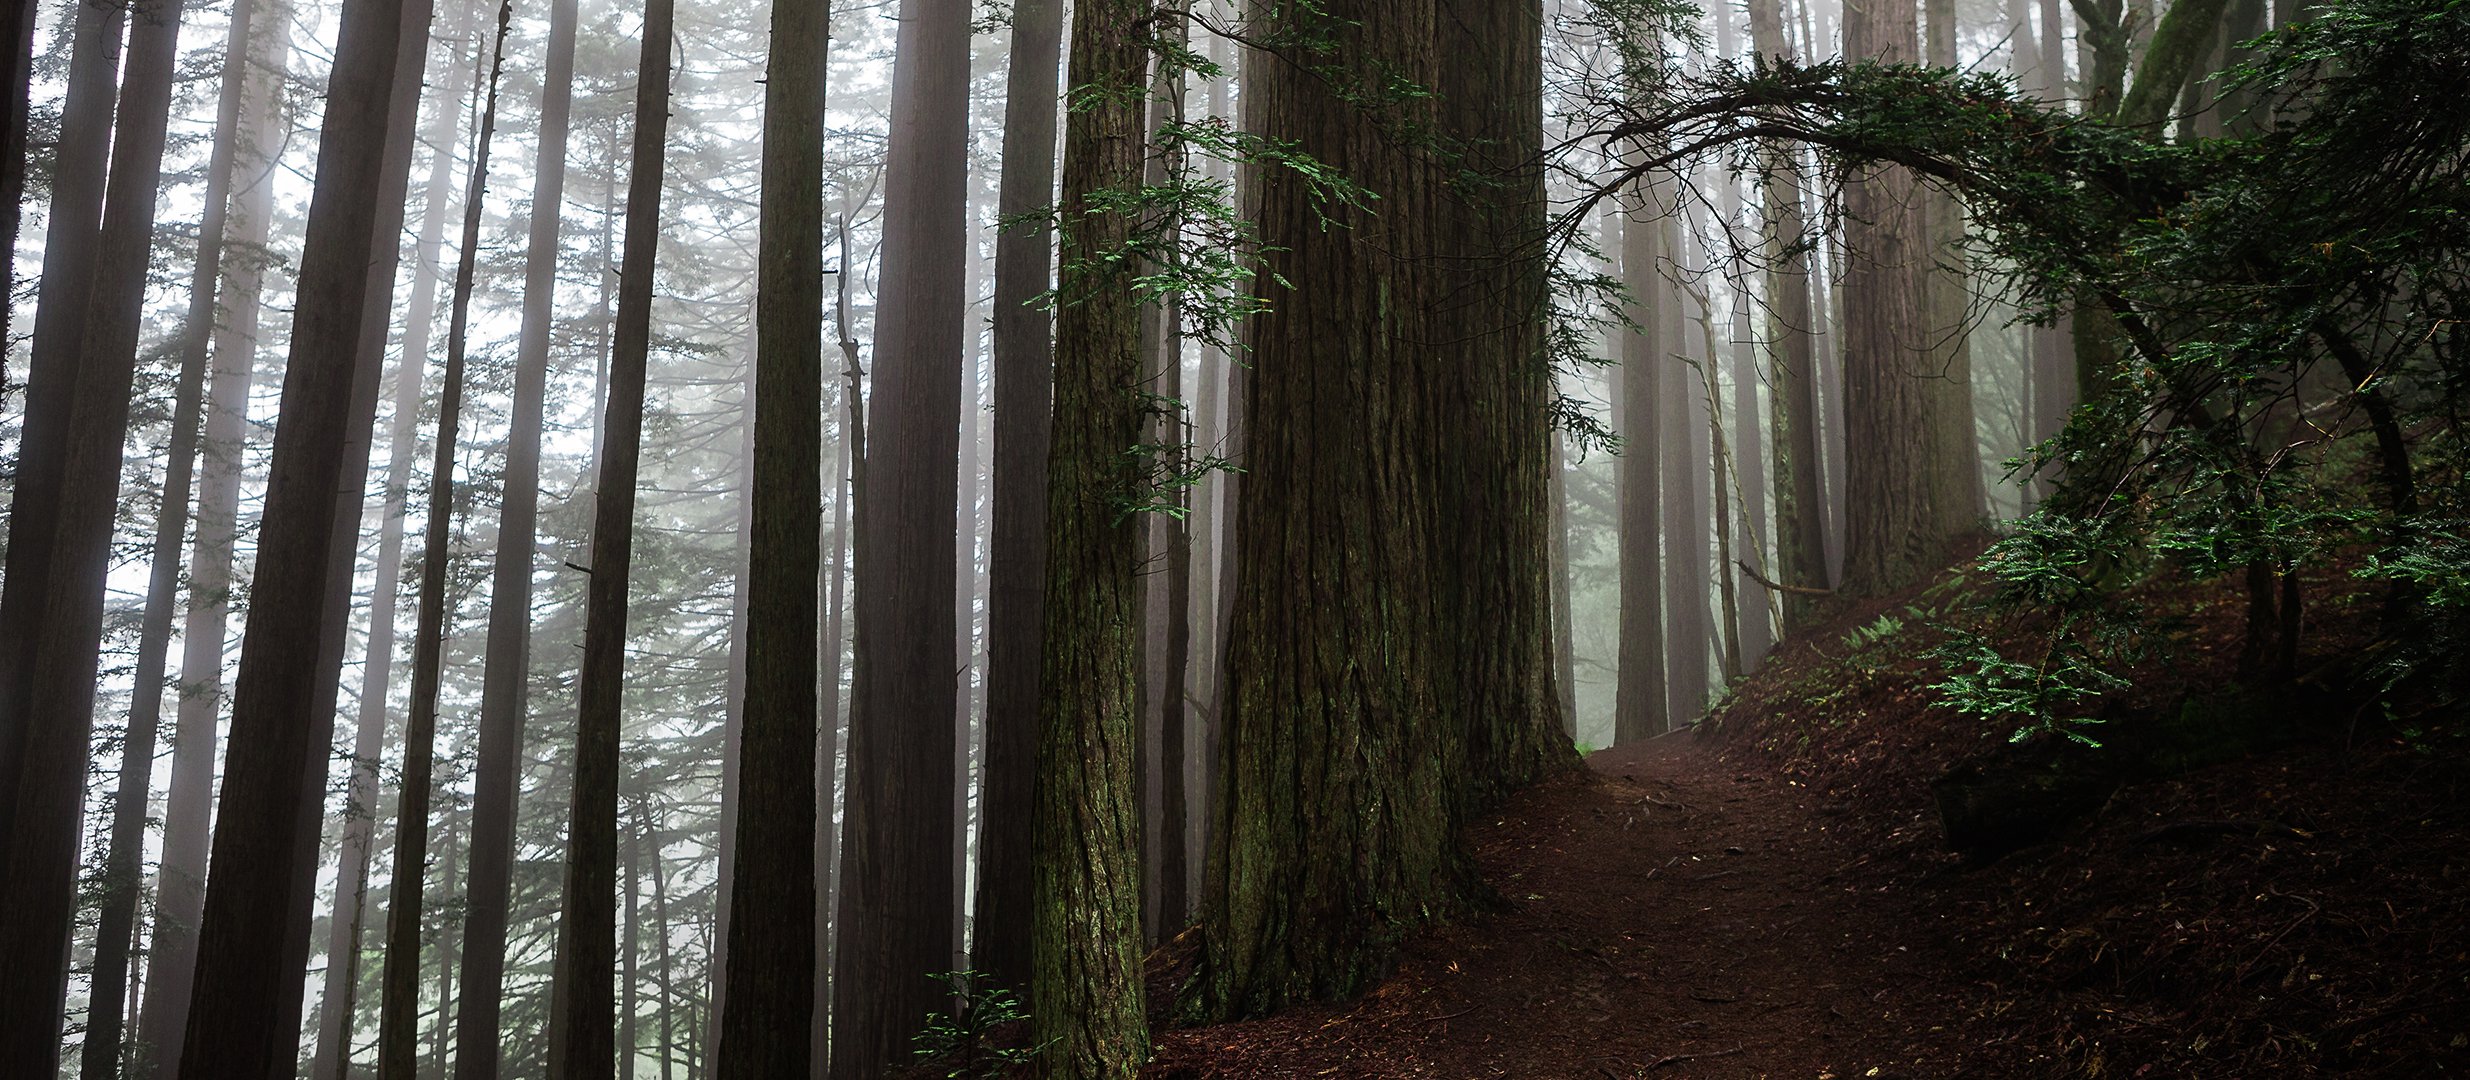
x=769, y=1005
x=1085, y=974
x=1016, y=544
x=239, y=1024
x=115, y=926
x=895, y=907
x=76, y=212
x=38, y=894
x=180, y=879
x=399, y=1005
x=581, y=1043
x=1340, y=736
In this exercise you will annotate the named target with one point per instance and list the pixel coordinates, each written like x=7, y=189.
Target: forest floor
x=1771, y=896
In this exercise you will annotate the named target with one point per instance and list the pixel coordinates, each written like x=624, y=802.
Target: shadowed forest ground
x=1773, y=898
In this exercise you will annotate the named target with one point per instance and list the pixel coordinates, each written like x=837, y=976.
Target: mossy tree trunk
x=1085, y=944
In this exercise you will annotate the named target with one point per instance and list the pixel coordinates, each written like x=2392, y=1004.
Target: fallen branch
x=1796, y=590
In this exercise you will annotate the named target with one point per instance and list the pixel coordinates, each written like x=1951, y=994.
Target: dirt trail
x=1672, y=916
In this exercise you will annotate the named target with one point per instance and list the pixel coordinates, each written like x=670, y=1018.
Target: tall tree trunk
x=18, y=73
x=187, y=808
x=1681, y=428
x=629, y=948
x=69, y=250
x=102, y=1053
x=1564, y=613
x=1894, y=527
x=239, y=1024
x=771, y=976
x=1166, y=601
x=1642, y=698
x=1495, y=471
x=895, y=911
x=506, y=661
x=581, y=1043
x=337, y=1012
x=1085, y=963
x=398, y=1036
x=1957, y=492
x=1800, y=514
x=1340, y=735
x=660, y=918
x=38, y=894
x=1016, y=545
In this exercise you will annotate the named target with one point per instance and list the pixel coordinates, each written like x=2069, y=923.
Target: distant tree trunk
x=629, y=948
x=442, y=1020
x=38, y=894
x=832, y=591
x=239, y=1024
x=1642, y=697
x=724, y=829
x=896, y=916
x=1016, y=545
x=1166, y=609
x=1957, y=493
x=398, y=1036
x=18, y=72
x=1564, y=614
x=660, y=918
x=69, y=248
x=1228, y=382
x=181, y=879
x=1086, y=961
x=1496, y=470
x=771, y=976
x=1895, y=528
x=1341, y=732
x=506, y=663
x=964, y=579
x=581, y=1043
x=102, y=1054
x=1728, y=626
x=1750, y=480
x=1800, y=513
x=1687, y=644
x=336, y=1005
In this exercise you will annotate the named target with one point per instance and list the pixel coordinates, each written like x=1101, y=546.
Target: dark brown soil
x=1671, y=916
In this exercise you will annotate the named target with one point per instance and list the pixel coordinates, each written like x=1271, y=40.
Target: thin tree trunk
x=581, y=1042
x=1800, y=512
x=18, y=73
x=38, y=897
x=398, y=1036
x=1642, y=698
x=1086, y=973
x=1683, y=407
x=116, y=925
x=69, y=250
x=240, y=1024
x=181, y=878
x=1016, y=545
x=771, y=974
x=1166, y=606
x=628, y=949
x=895, y=912
x=660, y=918
x=1957, y=492
x=1564, y=615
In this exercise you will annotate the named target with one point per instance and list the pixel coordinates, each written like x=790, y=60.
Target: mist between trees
x=553, y=537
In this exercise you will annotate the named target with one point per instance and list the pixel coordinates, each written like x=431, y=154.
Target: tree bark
x=1340, y=736
x=1085, y=959
x=582, y=1045
x=1016, y=545
x=237, y=1026
x=38, y=895
x=1800, y=512
x=69, y=248
x=1957, y=491
x=896, y=915
x=769, y=1005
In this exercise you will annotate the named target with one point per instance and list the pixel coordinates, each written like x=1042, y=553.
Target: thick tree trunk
x=1642, y=699
x=69, y=249
x=582, y=1045
x=1800, y=514
x=187, y=808
x=1496, y=468
x=1085, y=961
x=38, y=894
x=1016, y=546
x=398, y=1034
x=336, y=1006
x=896, y=915
x=102, y=1053
x=1894, y=527
x=240, y=1025
x=771, y=976
x=1341, y=735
